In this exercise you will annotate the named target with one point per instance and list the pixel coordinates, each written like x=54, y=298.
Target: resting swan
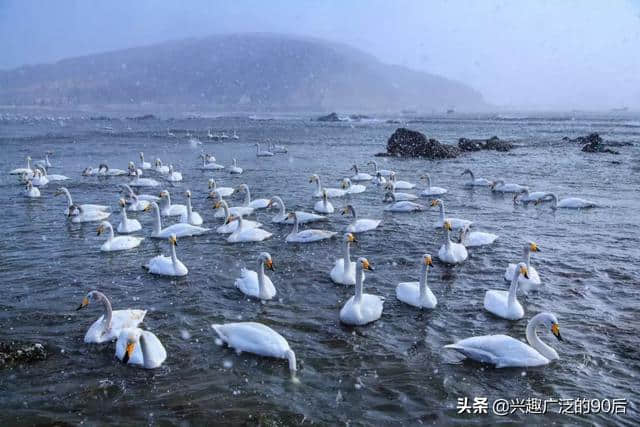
x=78, y=215
x=31, y=191
x=431, y=190
x=209, y=163
x=281, y=216
x=190, y=216
x=399, y=196
x=220, y=191
x=569, y=203
x=455, y=223
x=160, y=168
x=140, y=348
x=382, y=172
x=119, y=243
x=331, y=192
x=344, y=270
x=139, y=181
x=246, y=234
x=359, y=225
x=248, y=203
x=144, y=165
x=53, y=176
x=229, y=226
x=167, y=209
x=167, y=266
x=500, y=187
x=111, y=323
x=19, y=171
x=360, y=176
x=260, y=153
x=361, y=308
x=352, y=188
x=450, y=252
x=84, y=207
x=505, y=304
x=127, y=225
x=472, y=239
x=532, y=282
x=306, y=236
x=475, y=182
x=526, y=197
x=323, y=206
x=418, y=294
x=173, y=176
x=235, y=210
x=504, y=351
x=235, y=169
x=400, y=206
x=400, y=185
x=180, y=230
x=257, y=284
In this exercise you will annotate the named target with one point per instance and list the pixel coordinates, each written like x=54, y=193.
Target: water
x=392, y=371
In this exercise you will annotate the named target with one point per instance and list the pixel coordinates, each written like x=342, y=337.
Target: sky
x=544, y=54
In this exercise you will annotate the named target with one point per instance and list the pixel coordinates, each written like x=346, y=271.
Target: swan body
x=54, y=176
x=456, y=223
x=323, y=206
x=303, y=217
x=31, y=191
x=256, y=338
x=19, y=171
x=108, y=326
x=261, y=153
x=277, y=149
x=379, y=180
x=359, y=225
x=331, y=192
x=78, y=215
x=230, y=226
x=400, y=185
x=247, y=234
x=119, y=243
x=253, y=204
x=179, y=230
x=505, y=304
x=532, y=282
x=220, y=191
x=476, y=182
x=382, y=172
x=190, y=216
x=450, y=252
x=144, y=165
x=418, y=294
x=139, y=181
x=127, y=225
x=431, y=190
x=351, y=188
x=84, y=207
x=167, y=209
x=306, y=236
x=360, y=176
x=173, y=176
x=570, y=203
x=160, y=168
x=39, y=180
x=344, y=270
x=499, y=186
x=472, y=239
x=167, y=266
x=209, y=163
x=235, y=169
x=504, y=351
x=140, y=348
x=527, y=197
x=257, y=284
x=401, y=206
x=402, y=197
x=361, y=308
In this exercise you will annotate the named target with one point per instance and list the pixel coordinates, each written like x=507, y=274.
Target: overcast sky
x=544, y=54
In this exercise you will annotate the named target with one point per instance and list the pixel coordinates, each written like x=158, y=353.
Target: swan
x=450, y=252
x=475, y=182
x=258, y=284
x=400, y=185
x=119, y=243
x=359, y=176
x=111, y=323
x=129, y=193
x=400, y=206
x=235, y=210
x=455, y=223
x=504, y=351
x=505, y=304
x=160, y=168
x=105, y=170
x=144, y=165
x=331, y=192
x=235, y=135
x=361, y=308
x=306, y=236
x=344, y=270
x=471, y=239
x=399, y=196
x=140, y=348
x=31, y=191
x=127, y=225
x=210, y=135
x=500, y=187
x=248, y=203
x=323, y=206
x=260, y=153
x=379, y=180
x=78, y=214
x=418, y=294
x=359, y=225
x=44, y=163
x=180, y=230
x=53, y=176
x=569, y=203
x=231, y=226
x=281, y=216
x=256, y=338
x=352, y=188
x=27, y=170
x=167, y=209
x=431, y=190
x=173, y=176
x=531, y=282
x=85, y=207
x=235, y=169
x=277, y=149
x=382, y=172
x=190, y=216
x=209, y=163
x=39, y=180
x=139, y=181
x=246, y=234
x=224, y=135
x=221, y=191
x=167, y=266
x=526, y=197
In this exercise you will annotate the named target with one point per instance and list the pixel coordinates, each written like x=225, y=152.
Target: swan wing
x=254, y=338
x=500, y=350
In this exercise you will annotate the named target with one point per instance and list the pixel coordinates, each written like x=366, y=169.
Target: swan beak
x=534, y=248
x=128, y=352
x=428, y=261
x=555, y=329
x=343, y=211
x=366, y=265
x=231, y=218
x=217, y=205
x=173, y=241
x=434, y=202
x=100, y=230
x=447, y=225
x=269, y=264
x=83, y=304
x=269, y=204
x=147, y=208
x=524, y=272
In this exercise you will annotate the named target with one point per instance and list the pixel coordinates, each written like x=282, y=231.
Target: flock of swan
x=139, y=347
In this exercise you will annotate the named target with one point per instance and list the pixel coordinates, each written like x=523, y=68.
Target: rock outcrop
x=410, y=143
x=16, y=352
x=493, y=143
x=331, y=117
x=592, y=143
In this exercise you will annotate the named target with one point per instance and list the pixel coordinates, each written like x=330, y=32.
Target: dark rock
x=144, y=117
x=393, y=122
x=332, y=117
x=359, y=117
x=592, y=143
x=16, y=352
x=493, y=143
x=409, y=143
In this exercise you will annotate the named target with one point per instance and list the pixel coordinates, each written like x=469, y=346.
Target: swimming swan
x=229, y=226
x=180, y=230
x=144, y=165
x=190, y=216
x=78, y=215
x=531, y=282
x=361, y=308
x=456, y=223
x=331, y=192
x=220, y=191
x=31, y=191
x=119, y=243
x=418, y=294
x=248, y=203
x=167, y=209
x=500, y=187
x=173, y=176
x=85, y=207
x=260, y=153
x=400, y=185
x=127, y=225
x=139, y=181
x=306, y=236
x=246, y=234
x=472, y=239
x=344, y=270
x=359, y=225
x=475, y=182
x=235, y=169
x=398, y=196
x=167, y=266
x=431, y=190
x=282, y=218
x=140, y=348
x=324, y=206
x=257, y=284
x=382, y=172
x=450, y=252
x=569, y=203
x=400, y=206
x=19, y=171
x=505, y=304
x=360, y=176
x=351, y=188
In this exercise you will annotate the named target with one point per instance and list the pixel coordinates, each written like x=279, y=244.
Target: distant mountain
x=237, y=72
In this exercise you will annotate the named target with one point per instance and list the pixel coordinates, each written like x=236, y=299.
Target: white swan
x=303, y=217
x=306, y=236
x=235, y=169
x=256, y=338
x=472, y=239
x=31, y=191
x=78, y=214
x=361, y=308
x=127, y=225
x=400, y=185
x=351, y=188
x=144, y=165
x=532, y=282
x=569, y=203
x=431, y=190
x=379, y=180
x=235, y=135
x=19, y=171
x=401, y=206
x=180, y=230
x=504, y=351
x=499, y=186
x=230, y=226
x=103, y=170
x=475, y=182
x=234, y=210
x=344, y=270
x=119, y=243
x=418, y=294
x=168, y=209
x=398, y=196
x=53, y=176
x=190, y=216
x=324, y=206
x=260, y=153
x=44, y=163
x=526, y=197
x=140, y=348
x=359, y=176
x=136, y=202
x=209, y=163
x=382, y=172
x=39, y=180
x=139, y=181
x=450, y=252
x=167, y=266
x=246, y=234
x=108, y=326
x=455, y=223
x=173, y=176
x=248, y=203
x=359, y=225
x=331, y=192
x=505, y=304
x=257, y=284
x=221, y=191
x=160, y=168
x=277, y=149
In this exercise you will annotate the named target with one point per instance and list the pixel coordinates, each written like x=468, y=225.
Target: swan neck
x=281, y=207
x=428, y=179
x=513, y=288
x=526, y=256
x=261, y=289
x=535, y=342
x=146, y=357
x=447, y=240
x=174, y=258
x=347, y=257
x=108, y=311
x=247, y=196
x=124, y=213
x=110, y=227
x=355, y=214
x=295, y=225
x=189, y=208
x=359, y=274
x=157, y=222
x=423, y=281
x=69, y=199
x=441, y=205
x=225, y=208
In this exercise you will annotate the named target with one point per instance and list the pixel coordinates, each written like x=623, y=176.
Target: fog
x=520, y=55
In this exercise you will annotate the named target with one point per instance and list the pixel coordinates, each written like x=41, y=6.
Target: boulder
x=332, y=117
x=592, y=143
x=410, y=143
x=493, y=143
x=16, y=352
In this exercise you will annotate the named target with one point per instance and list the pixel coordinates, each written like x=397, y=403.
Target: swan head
x=533, y=247
x=313, y=178
x=291, y=215
x=173, y=240
x=466, y=171
x=141, y=155
x=122, y=203
x=522, y=267
x=103, y=166
x=212, y=183
x=494, y=184
x=364, y=263
x=158, y=162
x=550, y=321
x=447, y=225
x=74, y=210
x=91, y=296
x=59, y=191
x=87, y=171
x=164, y=194
x=101, y=228
x=265, y=257
x=187, y=194
x=426, y=260
x=133, y=337
x=350, y=238
x=213, y=194
x=28, y=158
x=325, y=196
x=230, y=219
x=150, y=206
x=346, y=210
x=170, y=168
x=436, y=202
x=346, y=183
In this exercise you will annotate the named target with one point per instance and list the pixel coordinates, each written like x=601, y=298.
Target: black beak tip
x=559, y=337
x=79, y=307
x=125, y=358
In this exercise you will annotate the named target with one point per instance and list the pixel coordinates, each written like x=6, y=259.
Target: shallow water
x=391, y=371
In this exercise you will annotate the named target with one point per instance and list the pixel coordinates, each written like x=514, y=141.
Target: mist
x=544, y=55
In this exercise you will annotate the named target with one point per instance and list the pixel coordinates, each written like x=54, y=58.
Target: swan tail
x=291, y=357
x=218, y=329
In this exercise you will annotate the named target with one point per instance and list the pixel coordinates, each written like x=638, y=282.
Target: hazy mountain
x=240, y=72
